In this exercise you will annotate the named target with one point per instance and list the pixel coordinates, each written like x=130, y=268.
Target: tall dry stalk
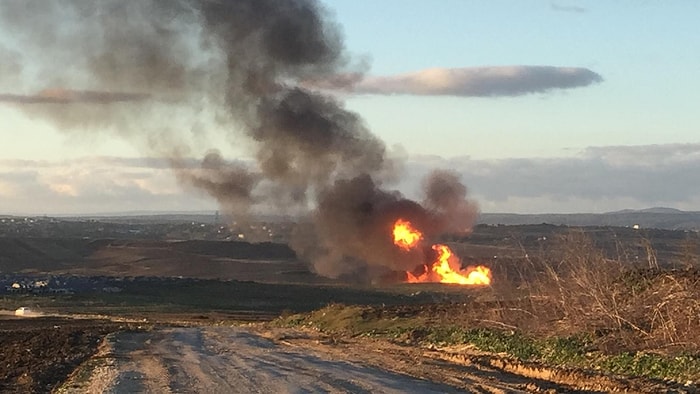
x=584, y=290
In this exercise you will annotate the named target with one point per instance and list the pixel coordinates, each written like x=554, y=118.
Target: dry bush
x=576, y=283
x=666, y=306
x=628, y=306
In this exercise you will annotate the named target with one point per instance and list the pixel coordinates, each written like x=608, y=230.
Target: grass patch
x=679, y=368
x=572, y=351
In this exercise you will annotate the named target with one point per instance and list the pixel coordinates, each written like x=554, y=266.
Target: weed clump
x=629, y=307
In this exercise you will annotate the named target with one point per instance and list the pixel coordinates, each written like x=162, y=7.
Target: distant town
x=180, y=227
x=43, y=284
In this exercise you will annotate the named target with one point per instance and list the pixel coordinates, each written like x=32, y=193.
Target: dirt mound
x=40, y=353
x=237, y=250
x=18, y=254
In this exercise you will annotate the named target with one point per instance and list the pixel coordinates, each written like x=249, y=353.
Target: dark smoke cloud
x=231, y=184
x=66, y=96
x=306, y=139
x=477, y=81
x=168, y=73
x=354, y=220
x=446, y=195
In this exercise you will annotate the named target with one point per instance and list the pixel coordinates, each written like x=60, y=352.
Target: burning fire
x=405, y=236
x=445, y=268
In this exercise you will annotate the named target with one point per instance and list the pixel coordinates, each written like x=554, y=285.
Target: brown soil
x=39, y=353
x=463, y=367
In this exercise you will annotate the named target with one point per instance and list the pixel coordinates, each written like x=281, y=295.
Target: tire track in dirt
x=235, y=360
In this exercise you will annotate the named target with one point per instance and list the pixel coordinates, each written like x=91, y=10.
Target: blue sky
x=640, y=122
x=645, y=51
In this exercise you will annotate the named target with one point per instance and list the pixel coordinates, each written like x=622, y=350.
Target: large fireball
x=445, y=268
x=405, y=236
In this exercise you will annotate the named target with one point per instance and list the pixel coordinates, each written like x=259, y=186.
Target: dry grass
x=630, y=305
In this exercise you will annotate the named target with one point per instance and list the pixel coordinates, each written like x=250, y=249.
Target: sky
x=562, y=106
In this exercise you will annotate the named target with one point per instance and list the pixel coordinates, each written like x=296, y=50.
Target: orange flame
x=405, y=236
x=445, y=268
x=471, y=276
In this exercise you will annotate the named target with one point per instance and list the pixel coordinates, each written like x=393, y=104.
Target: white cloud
x=63, y=189
x=7, y=189
x=93, y=185
x=470, y=81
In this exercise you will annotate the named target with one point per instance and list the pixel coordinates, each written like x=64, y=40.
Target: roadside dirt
x=38, y=353
x=464, y=367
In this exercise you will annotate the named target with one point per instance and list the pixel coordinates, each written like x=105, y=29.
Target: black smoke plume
x=171, y=75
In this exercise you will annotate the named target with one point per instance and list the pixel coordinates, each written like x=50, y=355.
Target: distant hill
x=657, y=217
x=650, y=210
x=168, y=217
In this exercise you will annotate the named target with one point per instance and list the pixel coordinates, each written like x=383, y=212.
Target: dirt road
x=256, y=359
x=233, y=360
